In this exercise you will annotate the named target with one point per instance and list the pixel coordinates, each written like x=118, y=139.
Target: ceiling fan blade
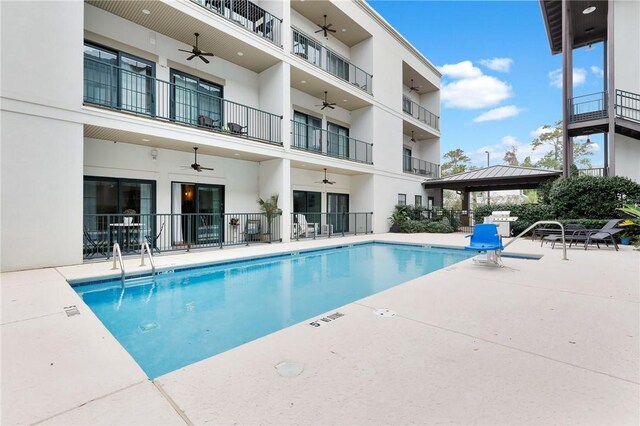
x=188, y=51
x=191, y=57
x=329, y=26
x=321, y=29
x=333, y=31
x=205, y=168
x=206, y=54
x=206, y=61
x=331, y=106
x=323, y=107
x=330, y=183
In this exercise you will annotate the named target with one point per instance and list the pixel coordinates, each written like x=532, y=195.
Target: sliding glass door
x=307, y=132
x=337, y=141
x=197, y=210
x=309, y=203
x=196, y=101
x=337, y=207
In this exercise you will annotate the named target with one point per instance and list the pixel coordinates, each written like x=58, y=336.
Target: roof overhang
x=495, y=178
x=585, y=28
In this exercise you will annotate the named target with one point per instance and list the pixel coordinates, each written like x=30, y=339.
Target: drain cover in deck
x=384, y=312
x=289, y=369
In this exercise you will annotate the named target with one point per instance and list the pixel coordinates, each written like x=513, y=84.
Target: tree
x=457, y=162
x=552, y=136
x=510, y=157
x=527, y=162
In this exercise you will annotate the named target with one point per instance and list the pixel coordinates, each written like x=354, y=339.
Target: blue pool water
x=186, y=316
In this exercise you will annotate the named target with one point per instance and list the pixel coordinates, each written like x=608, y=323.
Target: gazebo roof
x=494, y=178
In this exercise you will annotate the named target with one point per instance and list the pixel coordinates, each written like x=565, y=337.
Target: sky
x=500, y=83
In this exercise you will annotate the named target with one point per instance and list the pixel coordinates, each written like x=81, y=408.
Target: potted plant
x=625, y=239
x=128, y=216
x=234, y=221
x=270, y=208
x=398, y=217
x=631, y=226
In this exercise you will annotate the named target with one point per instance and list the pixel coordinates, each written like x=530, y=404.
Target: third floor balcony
x=314, y=139
x=420, y=113
x=315, y=53
x=420, y=167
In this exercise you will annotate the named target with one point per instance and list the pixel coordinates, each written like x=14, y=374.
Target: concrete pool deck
x=536, y=342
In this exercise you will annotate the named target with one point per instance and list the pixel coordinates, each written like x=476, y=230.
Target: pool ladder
x=117, y=256
x=540, y=222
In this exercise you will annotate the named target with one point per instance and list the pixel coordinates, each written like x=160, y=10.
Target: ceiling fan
x=325, y=27
x=412, y=138
x=195, y=166
x=325, y=180
x=197, y=52
x=325, y=103
x=413, y=88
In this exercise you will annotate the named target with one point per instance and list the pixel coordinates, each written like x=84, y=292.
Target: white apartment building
x=614, y=111
x=104, y=101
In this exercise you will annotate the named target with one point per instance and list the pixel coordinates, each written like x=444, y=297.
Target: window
x=402, y=199
x=407, y=105
x=337, y=141
x=418, y=200
x=118, y=80
x=309, y=203
x=337, y=66
x=406, y=160
x=307, y=132
x=196, y=101
x=306, y=48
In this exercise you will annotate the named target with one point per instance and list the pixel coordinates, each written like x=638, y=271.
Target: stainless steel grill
x=503, y=219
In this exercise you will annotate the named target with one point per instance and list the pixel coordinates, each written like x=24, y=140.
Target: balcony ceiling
x=315, y=86
x=586, y=29
x=168, y=19
x=424, y=85
x=419, y=133
x=117, y=135
x=315, y=10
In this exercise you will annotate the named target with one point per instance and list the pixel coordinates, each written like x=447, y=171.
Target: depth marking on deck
x=71, y=310
x=326, y=319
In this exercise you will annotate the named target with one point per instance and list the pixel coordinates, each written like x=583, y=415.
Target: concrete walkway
x=536, y=342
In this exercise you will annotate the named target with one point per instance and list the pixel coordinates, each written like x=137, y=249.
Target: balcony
x=320, y=141
x=420, y=113
x=313, y=52
x=420, y=167
x=249, y=16
x=109, y=86
x=588, y=107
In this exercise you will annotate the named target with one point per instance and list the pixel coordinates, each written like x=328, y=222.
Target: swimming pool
x=188, y=315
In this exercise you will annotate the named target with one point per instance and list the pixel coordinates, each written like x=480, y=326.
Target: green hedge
x=594, y=197
x=415, y=226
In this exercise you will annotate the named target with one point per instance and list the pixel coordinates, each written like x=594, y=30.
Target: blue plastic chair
x=485, y=239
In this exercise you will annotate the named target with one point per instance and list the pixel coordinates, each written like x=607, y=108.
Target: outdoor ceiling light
x=146, y=11
x=240, y=54
x=589, y=10
x=589, y=30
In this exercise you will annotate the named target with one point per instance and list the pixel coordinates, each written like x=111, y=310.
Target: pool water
x=186, y=316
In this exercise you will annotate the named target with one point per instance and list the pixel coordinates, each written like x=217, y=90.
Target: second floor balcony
x=315, y=53
x=420, y=167
x=594, y=106
x=109, y=86
x=420, y=113
x=249, y=16
x=314, y=139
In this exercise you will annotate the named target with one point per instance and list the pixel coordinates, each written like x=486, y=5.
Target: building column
x=610, y=167
x=567, y=88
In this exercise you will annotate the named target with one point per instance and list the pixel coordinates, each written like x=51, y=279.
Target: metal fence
x=628, y=105
x=588, y=107
x=420, y=113
x=320, y=141
x=461, y=219
x=420, y=167
x=170, y=232
x=110, y=86
x=314, y=225
x=248, y=15
x=315, y=53
x=597, y=171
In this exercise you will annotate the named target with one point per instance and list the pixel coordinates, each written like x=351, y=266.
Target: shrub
x=527, y=214
x=415, y=226
x=595, y=197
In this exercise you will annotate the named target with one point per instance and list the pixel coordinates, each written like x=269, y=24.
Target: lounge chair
x=604, y=235
x=485, y=239
x=573, y=233
x=252, y=230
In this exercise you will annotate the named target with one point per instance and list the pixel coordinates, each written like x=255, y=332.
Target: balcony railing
x=420, y=167
x=315, y=53
x=316, y=224
x=248, y=15
x=420, y=113
x=597, y=171
x=628, y=105
x=106, y=85
x=320, y=141
x=175, y=231
x=588, y=107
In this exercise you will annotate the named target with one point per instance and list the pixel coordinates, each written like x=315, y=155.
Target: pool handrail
x=145, y=249
x=117, y=254
x=544, y=222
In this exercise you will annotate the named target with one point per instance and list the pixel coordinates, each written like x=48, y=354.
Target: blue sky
x=500, y=81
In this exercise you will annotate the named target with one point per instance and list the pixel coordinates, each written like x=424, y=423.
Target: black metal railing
x=588, y=107
x=628, y=105
x=596, y=171
x=175, y=231
x=110, y=86
x=420, y=113
x=320, y=141
x=320, y=224
x=315, y=53
x=420, y=167
x=248, y=15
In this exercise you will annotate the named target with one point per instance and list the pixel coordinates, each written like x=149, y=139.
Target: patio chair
x=485, y=239
x=237, y=129
x=92, y=247
x=604, y=235
x=153, y=241
x=252, y=230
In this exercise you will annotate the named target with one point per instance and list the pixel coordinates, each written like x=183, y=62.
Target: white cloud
x=579, y=77
x=509, y=141
x=473, y=93
x=597, y=71
x=498, y=64
x=499, y=113
x=464, y=69
x=497, y=151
